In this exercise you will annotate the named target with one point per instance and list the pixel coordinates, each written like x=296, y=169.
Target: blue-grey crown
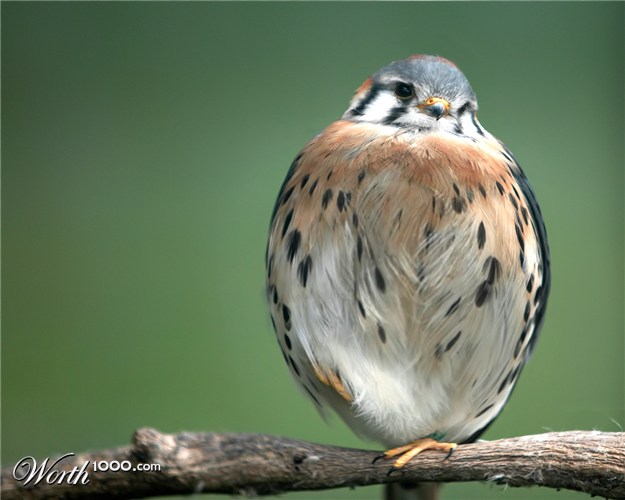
x=437, y=75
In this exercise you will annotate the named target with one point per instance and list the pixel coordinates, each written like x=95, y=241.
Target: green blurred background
x=144, y=145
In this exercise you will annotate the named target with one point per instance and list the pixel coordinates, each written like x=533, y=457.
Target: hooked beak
x=435, y=107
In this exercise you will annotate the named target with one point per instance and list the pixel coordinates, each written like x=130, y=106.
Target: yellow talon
x=408, y=451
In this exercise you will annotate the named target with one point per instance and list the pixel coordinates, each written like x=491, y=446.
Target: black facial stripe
x=463, y=108
x=395, y=113
x=476, y=125
x=360, y=109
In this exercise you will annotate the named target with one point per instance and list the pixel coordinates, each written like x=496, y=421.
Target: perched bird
x=407, y=266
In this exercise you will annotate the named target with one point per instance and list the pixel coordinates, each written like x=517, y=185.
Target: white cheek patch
x=379, y=109
x=469, y=128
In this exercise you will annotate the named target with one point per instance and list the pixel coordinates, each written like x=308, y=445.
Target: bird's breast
x=403, y=264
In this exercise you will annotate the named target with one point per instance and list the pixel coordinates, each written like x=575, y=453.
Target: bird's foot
x=408, y=451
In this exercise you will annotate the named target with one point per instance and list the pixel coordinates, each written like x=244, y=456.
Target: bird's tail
x=412, y=491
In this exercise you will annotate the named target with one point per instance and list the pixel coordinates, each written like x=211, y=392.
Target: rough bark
x=253, y=464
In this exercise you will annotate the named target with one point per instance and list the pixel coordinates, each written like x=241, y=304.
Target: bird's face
x=419, y=94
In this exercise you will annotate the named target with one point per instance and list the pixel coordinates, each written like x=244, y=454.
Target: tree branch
x=254, y=464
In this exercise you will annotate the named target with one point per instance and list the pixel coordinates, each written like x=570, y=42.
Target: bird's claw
x=378, y=457
x=391, y=470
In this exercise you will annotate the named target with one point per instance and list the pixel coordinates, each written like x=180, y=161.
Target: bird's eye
x=404, y=91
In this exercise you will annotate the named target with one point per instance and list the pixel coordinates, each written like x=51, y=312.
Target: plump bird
x=407, y=266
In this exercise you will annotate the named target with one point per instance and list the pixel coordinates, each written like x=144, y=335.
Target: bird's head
x=421, y=93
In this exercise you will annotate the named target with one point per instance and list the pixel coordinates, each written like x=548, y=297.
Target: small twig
x=253, y=464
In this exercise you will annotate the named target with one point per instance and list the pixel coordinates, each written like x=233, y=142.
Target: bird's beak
x=435, y=107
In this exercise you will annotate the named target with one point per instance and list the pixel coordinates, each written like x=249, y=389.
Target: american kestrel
x=407, y=264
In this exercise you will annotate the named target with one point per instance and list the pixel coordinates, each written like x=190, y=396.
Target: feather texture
x=407, y=268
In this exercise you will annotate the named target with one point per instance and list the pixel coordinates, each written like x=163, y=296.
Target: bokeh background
x=143, y=145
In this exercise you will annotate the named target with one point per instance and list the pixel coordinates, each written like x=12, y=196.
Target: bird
x=407, y=265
